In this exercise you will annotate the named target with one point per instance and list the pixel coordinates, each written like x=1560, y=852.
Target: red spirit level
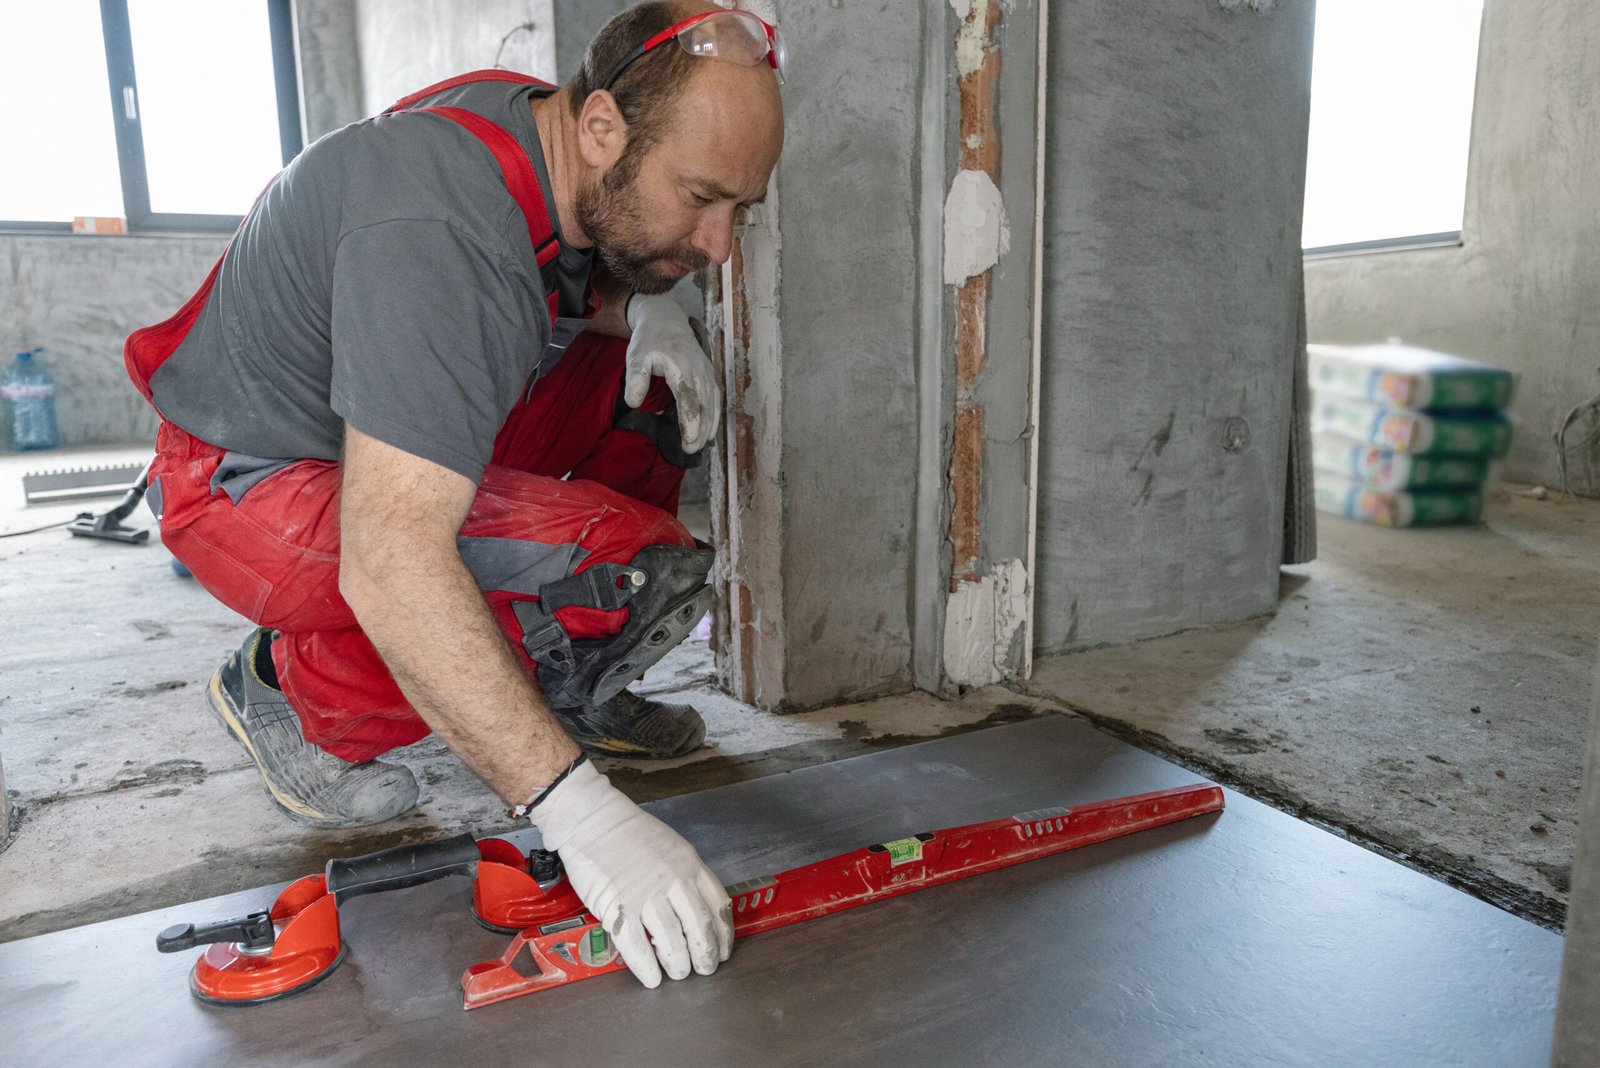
x=294, y=945
x=578, y=948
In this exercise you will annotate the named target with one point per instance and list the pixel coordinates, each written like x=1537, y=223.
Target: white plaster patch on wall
x=1012, y=605
x=969, y=634
x=982, y=621
x=970, y=40
x=975, y=230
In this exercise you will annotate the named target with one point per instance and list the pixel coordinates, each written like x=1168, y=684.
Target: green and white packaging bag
x=1403, y=376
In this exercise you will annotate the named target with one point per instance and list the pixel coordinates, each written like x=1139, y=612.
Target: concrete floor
x=128, y=796
x=1353, y=707
x=1425, y=692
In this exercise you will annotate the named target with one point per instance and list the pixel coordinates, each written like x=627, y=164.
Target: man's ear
x=602, y=131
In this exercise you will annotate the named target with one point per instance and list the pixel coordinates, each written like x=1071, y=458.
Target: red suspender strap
x=521, y=180
x=148, y=347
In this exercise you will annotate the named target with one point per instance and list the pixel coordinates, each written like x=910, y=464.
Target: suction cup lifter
x=254, y=931
x=269, y=955
x=403, y=866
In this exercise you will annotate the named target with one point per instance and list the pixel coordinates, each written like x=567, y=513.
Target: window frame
x=1455, y=238
x=1445, y=239
x=122, y=81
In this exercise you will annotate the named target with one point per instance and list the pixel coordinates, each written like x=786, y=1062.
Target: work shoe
x=310, y=784
x=634, y=728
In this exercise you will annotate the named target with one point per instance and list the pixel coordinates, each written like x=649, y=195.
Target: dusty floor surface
x=1353, y=707
x=127, y=795
x=1424, y=691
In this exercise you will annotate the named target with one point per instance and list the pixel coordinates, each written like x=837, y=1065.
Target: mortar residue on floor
x=1424, y=691
x=127, y=795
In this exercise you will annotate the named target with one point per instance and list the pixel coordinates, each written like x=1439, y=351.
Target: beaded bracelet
x=521, y=811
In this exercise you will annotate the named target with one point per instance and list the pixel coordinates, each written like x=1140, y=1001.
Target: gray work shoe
x=634, y=728
x=310, y=784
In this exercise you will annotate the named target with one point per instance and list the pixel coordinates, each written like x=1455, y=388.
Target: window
x=1391, y=117
x=173, y=114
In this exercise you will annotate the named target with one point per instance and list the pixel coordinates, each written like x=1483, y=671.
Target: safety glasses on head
x=734, y=35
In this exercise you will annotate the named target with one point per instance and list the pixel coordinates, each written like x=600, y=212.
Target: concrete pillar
x=820, y=316
x=1577, y=1042
x=1176, y=142
x=876, y=339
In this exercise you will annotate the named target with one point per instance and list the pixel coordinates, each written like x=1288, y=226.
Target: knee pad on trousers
x=664, y=589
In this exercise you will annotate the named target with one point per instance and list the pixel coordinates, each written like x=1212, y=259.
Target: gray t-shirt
x=385, y=279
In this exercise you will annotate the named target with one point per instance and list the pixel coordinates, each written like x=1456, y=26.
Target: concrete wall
x=1520, y=290
x=576, y=22
x=408, y=44
x=79, y=297
x=1177, y=142
x=330, y=65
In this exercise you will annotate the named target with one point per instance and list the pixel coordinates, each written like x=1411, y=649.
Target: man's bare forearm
x=421, y=608
x=430, y=624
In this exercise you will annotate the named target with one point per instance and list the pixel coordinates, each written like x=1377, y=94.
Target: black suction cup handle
x=545, y=867
x=253, y=932
x=402, y=866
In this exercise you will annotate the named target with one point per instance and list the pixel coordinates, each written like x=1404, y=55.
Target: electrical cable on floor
x=34, y=530
x=1591, y=408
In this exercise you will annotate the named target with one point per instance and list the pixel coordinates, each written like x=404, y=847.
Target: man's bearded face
x=613, y=213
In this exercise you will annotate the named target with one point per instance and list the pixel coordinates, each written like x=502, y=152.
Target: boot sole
x=675, y=624
x=618, y=749
x=626, y=750
x=222, y=709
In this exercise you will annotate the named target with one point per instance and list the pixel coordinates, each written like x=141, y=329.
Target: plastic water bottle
x=29, y=396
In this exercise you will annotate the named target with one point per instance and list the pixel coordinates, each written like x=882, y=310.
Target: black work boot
x=310, y=784
x=634, y=728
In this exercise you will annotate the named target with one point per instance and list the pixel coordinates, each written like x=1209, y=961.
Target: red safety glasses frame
x=731, y=34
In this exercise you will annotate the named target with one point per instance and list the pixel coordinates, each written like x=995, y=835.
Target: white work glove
x=639, y=878
x=663, y=344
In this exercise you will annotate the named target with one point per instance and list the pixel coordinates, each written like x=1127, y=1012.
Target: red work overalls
x=274, y=557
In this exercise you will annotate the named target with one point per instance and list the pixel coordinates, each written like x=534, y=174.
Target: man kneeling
x=425, y=424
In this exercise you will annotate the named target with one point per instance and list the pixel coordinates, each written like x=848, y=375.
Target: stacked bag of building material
x=1402, y=436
